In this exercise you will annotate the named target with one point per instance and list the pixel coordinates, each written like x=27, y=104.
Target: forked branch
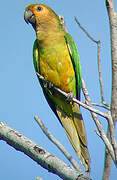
x=98, y=42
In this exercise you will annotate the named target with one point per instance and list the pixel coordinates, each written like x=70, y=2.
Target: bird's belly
x=59, y=71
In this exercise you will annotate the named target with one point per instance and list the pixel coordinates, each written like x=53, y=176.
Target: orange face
x=34, y=12
x=38, y=9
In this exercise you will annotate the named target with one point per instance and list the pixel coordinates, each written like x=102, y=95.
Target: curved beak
x=29, y=17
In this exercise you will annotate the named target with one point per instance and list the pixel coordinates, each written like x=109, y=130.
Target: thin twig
x=100, y=74
x=101, y=105
x=99, y=64
x=58, y=144
x=90, y=37
x=90, y=108
x=97, y=132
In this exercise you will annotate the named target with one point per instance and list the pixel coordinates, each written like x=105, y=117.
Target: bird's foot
x=69, y=97
x=48, y=85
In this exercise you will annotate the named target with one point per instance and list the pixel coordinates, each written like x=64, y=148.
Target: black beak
x=29, y=17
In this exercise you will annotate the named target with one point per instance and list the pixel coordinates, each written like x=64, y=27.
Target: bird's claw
x=48, y=85
x=69, y=97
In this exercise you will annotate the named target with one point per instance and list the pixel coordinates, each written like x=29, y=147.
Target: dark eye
x=39, y=8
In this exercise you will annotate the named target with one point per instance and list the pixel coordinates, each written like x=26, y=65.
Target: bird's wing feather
x=75, y=60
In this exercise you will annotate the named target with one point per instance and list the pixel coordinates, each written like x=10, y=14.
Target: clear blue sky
x=21, y=96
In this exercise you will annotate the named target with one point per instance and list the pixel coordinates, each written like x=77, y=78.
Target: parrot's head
x=42, y=18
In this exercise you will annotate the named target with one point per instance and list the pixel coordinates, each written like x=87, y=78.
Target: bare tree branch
x=113, y=31
x=58, y=144
x=112, y=134
x=101, y=105
x=113, y=28
x=107, y=161
x=90, y=37
x=98, y=124
x=100, y=74
x=38, y=154
x=99, y=64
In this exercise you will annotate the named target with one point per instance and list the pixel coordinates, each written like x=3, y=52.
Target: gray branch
x=99, y=64
x=38, y=154
x=113, y=32
x=58, y=144
x=98, y=124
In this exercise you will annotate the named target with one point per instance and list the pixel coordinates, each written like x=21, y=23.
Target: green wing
x=75, y=60
x=36, y=55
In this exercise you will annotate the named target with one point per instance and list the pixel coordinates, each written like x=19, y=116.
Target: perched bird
x=56, y=58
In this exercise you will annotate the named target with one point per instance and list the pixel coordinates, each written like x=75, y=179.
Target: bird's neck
x=47, y=39
x=49, y=33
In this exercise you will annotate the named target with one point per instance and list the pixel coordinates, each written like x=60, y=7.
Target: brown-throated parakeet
x=56, y=58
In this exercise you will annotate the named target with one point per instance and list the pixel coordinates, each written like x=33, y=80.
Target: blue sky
x=21, y=96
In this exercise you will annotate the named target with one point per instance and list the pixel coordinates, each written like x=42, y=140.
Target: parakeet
x=56, y=58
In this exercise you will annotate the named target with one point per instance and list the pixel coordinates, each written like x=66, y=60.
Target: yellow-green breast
x=56, y=66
